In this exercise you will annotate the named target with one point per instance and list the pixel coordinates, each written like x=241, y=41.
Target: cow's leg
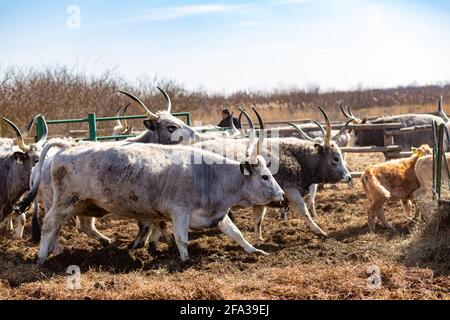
x=298, y=205
x=407, y=206
x=56, y=246
x=53, y=221
x=20, y=225
x=258, y=217
x=143, y=234
x=9, y=224
x=284, y=213
x=87, y=225
x=311, y=200
x=166, y=234
x=381, y=215
x=180, y=232
x=229, y=228
x=372, y=213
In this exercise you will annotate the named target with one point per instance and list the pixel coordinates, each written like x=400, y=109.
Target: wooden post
x=388, y=141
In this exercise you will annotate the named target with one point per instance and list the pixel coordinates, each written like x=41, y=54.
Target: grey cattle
x=406, y=141
x=191, y=187
x=340, y=137
x=86, y=223
x=164, y=128
x=15, y=170
x=301, y=164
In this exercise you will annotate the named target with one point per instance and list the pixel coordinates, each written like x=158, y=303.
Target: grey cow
x=406, y=141
x=301, y=164
x=154, y=182
x=15, y=170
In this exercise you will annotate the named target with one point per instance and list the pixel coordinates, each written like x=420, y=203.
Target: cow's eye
x=336, y=159
x=264, y=177
x=171, y=128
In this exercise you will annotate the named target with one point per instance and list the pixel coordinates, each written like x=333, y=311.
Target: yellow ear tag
x=418, y=152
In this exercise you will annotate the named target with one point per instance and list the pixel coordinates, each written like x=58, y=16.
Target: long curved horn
x=44, y=136
x=341, y=106
x=252, y=141
x=322, y=129
x=168, y=102
x=30, y=125
x=22, y=145
x=351, y=113
x=232, y=126
x=303, y=133
x=125, y=124
x=261, y=131
x=337, y=135
x=327, y=140
x=240, y=121
x=118, y=122
x=441, y=110
x=148, y=113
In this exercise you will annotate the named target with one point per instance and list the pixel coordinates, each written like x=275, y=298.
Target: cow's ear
x=20, y=156
x=319, y=148
x=246, y=168
x=150, y=125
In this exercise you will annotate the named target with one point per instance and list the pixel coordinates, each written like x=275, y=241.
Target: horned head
x=32, y=149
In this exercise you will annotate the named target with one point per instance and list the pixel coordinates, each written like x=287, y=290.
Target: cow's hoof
x=321, y=233
x=105, y=242
x=261, y=252
x=134, y=245
x=257, y=251
x=185, y=260
x=152, y=249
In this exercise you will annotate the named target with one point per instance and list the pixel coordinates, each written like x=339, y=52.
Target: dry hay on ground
x=300, y=265
x=430, y=241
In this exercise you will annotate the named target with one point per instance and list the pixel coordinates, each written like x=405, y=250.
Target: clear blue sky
x=228, y=45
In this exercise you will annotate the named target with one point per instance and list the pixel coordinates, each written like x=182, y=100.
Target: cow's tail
x=35, y=181
x=35, y=224
x=370, y=182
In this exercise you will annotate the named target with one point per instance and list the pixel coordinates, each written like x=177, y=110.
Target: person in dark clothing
x=226, y=120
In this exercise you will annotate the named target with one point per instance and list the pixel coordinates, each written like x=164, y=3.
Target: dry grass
x=62, y=93
x=300, y=265
x=430, y=242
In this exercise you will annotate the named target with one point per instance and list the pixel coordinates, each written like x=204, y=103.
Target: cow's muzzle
x=347, y=179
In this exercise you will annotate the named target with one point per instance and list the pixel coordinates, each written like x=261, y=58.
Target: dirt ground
x=300, y=265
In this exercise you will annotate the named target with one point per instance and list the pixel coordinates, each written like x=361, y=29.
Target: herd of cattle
x=170, y=171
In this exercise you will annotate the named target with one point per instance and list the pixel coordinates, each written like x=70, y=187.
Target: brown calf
x=392, y=180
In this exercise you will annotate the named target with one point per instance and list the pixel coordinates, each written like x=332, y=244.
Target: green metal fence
x=439, y=159
x=92, y=120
